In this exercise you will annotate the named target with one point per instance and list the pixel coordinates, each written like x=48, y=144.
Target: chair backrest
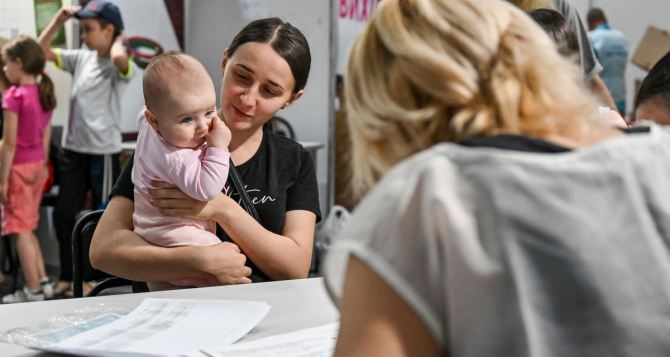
x=283, y=127
x=82, y=234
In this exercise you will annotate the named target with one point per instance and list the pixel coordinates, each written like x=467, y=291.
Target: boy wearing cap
x=100, y=74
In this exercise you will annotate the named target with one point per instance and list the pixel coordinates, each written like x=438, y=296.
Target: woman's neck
x=244, y=144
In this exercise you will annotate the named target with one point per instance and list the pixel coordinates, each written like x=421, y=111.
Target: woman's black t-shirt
x=280, y=177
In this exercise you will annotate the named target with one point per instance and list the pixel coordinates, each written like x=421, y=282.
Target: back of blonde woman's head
x=428, y=71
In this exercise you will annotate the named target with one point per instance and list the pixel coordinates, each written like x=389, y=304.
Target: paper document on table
x=312, y=342
x=168, y=327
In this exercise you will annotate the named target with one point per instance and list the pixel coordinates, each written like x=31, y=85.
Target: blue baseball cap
x=104, y=10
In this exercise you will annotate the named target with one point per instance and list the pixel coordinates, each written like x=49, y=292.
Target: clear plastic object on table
x=60, y=327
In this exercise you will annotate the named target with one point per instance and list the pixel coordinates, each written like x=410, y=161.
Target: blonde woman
x=504, y=219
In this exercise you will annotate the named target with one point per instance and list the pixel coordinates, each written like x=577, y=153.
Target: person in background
x=611, y=49
x=100, y=74
x=652, y=102
x=589, y=63
x=27, y=107
x=500, y=216
x=4, y=84
x=565, y=38
x=264, y=69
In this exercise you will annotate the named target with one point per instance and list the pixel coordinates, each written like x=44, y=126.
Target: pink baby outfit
x=200, y=173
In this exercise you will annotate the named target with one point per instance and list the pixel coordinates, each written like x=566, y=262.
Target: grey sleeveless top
x=507, y=253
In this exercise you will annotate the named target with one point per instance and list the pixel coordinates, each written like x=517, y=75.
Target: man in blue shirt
x=611, y=49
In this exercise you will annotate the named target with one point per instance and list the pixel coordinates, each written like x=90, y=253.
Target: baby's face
x=185, y=114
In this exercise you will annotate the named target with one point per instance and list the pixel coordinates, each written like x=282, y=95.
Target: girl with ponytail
x=27, y=106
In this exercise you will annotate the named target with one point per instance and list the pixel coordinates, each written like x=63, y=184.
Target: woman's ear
x=224, y=60
x=293, y=98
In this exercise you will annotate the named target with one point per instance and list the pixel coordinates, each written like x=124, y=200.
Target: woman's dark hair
x=557, y=27
x=656, y=84
x=33, y=61
x=287, y=40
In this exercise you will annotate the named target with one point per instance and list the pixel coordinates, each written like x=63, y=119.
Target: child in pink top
x=27, y=111
x=181, y=141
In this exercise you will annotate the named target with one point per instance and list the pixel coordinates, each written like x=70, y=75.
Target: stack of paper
x=168, y=327
x=312, y=342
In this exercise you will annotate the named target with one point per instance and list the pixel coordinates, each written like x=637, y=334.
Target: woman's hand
x=173, y=202
x=225, y=263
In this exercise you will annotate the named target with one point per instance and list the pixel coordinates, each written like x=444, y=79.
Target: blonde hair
x=428, y=71
x=528, y=5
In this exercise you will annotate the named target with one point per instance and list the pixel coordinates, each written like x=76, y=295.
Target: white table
x=296, y=304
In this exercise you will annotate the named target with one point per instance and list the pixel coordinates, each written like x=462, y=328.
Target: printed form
x=168, y=327
x=310, y=342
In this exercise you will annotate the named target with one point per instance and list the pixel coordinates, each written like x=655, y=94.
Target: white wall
x=21, y=14
x=632, y=18
x=352, y=16
x=210, y=27
x=147, y=18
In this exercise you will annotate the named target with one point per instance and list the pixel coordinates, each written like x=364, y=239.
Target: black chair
x=81, y=243
x=283, y=127
x=9, y=263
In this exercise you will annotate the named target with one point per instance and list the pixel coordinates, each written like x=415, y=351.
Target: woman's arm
x=285, y=256
x=118, y=250
x=375, y=321
x=7, y=150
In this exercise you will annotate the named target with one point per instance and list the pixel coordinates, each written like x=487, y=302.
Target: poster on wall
x=10, y=18
x=45, y=10
x=353, y=16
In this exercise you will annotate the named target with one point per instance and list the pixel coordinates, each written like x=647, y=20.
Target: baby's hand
x=219, y=134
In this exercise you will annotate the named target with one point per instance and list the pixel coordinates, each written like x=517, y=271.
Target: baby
x=181, y=141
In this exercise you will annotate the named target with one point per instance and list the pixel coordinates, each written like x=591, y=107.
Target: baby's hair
x=170, y=63
x=29, y=52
